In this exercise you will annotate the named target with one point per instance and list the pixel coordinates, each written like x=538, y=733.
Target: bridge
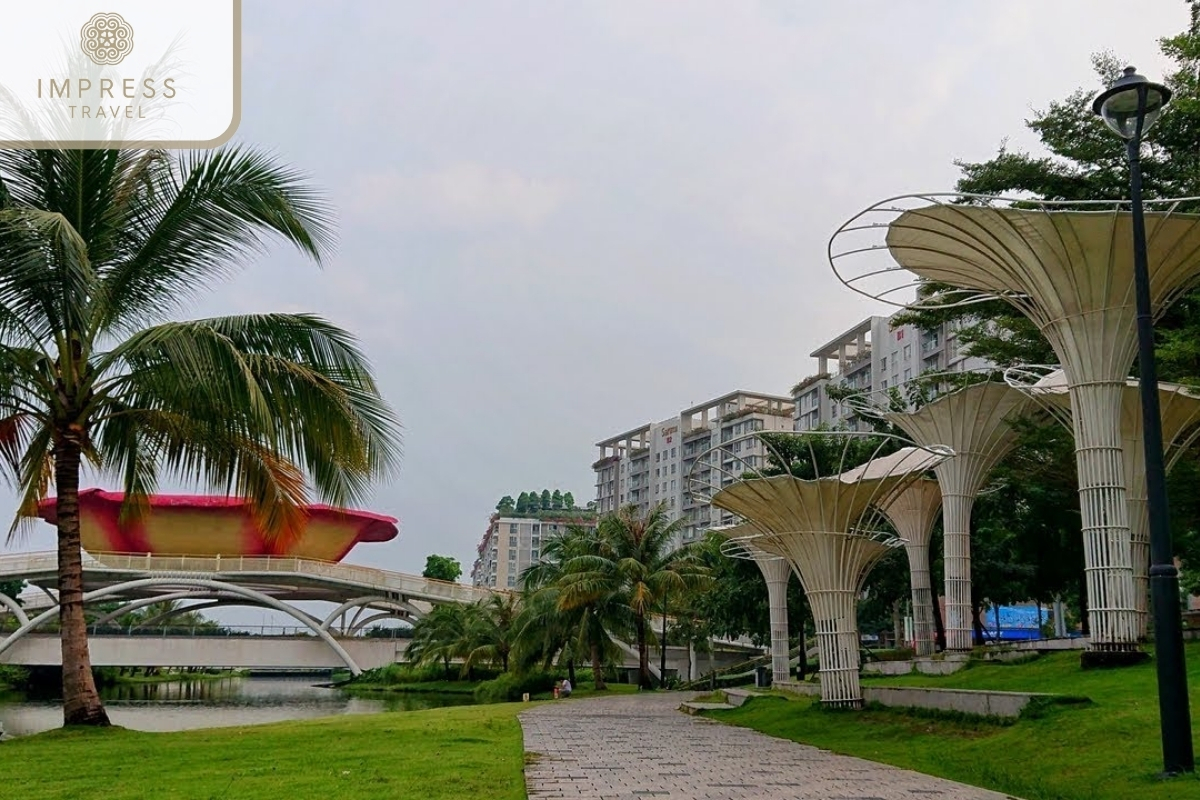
x=361, y=596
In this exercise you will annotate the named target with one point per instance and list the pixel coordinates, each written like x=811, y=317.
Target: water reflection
x=184, y=705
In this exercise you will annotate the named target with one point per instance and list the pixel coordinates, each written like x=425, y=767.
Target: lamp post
x=1130, y=107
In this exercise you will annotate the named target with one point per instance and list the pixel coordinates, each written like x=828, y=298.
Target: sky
x=560, y=221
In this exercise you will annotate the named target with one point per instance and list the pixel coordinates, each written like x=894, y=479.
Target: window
x=657, y=470
x=672, y=452
x=672, y=469
x=672, y=486
x=512, y=541
x=533, y=554
x=883, y=383
x=907, y=374
x=883, y=364
x=512, y=528
x=512, y=580
x=512, y=554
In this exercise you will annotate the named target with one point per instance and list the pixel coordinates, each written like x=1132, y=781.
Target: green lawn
x=451, y=753
x=1107, y=750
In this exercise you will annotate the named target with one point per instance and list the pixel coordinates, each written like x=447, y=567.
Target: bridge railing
x=368, y=577
x=233, y=631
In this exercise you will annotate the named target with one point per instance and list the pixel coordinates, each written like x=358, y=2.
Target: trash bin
x=762, y=677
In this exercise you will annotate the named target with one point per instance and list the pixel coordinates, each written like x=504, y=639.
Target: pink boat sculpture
x=207, y=525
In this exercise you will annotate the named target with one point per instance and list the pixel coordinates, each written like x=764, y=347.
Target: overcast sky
x=559, y=221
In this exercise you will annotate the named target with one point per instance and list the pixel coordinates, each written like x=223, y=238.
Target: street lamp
x=1130, y=107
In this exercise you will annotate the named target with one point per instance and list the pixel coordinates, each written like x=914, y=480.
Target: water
x=184, y=705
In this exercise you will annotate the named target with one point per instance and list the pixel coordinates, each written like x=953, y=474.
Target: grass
x=1106, y=750
x=445, y=753
x=437, y=687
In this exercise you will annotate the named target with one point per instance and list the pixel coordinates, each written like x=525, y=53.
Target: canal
x=215, y=703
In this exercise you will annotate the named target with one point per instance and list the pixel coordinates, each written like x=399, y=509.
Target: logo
x=106, y=39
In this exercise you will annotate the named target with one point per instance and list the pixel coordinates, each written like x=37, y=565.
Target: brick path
x=640, y=747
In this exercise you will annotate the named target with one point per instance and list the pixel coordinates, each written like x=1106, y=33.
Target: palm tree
x=634, y=559
x=490, y=631
x=97, y=249
x=439, y=635
x=563, y=624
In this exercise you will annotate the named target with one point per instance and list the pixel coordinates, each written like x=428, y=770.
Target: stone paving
x=640, y=747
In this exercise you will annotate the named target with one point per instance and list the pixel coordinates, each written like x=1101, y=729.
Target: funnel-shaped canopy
x=1071, y=272
x=974, y=422
x=784, y=504
x=914, y=510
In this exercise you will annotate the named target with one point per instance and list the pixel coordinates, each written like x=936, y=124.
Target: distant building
x=513, y=542
x=872, y=357
x=650, y=464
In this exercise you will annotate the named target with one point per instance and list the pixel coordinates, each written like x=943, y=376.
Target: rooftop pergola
x=1180, y=415
x=829, y=528
x=775, y=571
x=1069, y=269
x=974, y=421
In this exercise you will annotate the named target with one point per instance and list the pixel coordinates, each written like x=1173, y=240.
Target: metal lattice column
x=827, y=528
x=1180, y=412
x=1069, y=269
x=974, y=422
x=913, y=514
x=776, y=572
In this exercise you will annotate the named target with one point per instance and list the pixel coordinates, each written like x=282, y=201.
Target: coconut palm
x=553, y=626
x=490, y=631
x=98, y=250
x=634, y=559
x=440, y=635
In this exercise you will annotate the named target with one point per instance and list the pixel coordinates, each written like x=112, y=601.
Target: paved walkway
x=640, y=747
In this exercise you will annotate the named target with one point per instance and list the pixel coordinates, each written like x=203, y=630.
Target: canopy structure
x=1180, y=414
x=974, y=422
x=775, y=571
x=828, y=527
x=913, y=513
x=1069, y=268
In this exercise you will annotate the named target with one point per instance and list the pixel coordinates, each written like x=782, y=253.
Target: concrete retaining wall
x=951, y=662
x=965, y=701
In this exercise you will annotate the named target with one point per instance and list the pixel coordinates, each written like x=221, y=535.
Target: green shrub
x=509, y=686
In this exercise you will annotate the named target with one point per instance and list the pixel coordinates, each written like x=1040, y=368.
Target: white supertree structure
x=913, y=513
x=975, y=422
x=776, y=571
x=1069, y=269
x=1180, y=414
x=828, y=527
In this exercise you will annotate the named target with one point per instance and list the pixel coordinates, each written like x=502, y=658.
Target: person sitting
x=565, y=689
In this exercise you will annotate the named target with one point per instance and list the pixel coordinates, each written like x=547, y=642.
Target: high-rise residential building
x=650, y=464
x=871, y=357
x=513, y=542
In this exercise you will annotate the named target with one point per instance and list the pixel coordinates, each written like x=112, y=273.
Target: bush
x=510, y=687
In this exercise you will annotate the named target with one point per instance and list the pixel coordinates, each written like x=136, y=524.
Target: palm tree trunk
x=597, y=669
x=571, y=671
x=643, y=653
x=662, y=650
x=81, y=701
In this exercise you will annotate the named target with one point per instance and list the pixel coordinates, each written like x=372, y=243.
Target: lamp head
x=1131, y=106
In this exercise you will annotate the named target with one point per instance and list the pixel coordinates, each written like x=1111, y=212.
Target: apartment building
x=650, y=464
x=871, y=357
x=512, y=543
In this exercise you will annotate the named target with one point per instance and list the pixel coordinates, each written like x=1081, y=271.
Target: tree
x=440, y=635
x=634, y=560
x=569, y=501
x=556, y=500
x=506, y=504
x=490, y=631
x=442, y=568
x=522, y=502
x=97, y=248
x=585, y=626
x=545, y=505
